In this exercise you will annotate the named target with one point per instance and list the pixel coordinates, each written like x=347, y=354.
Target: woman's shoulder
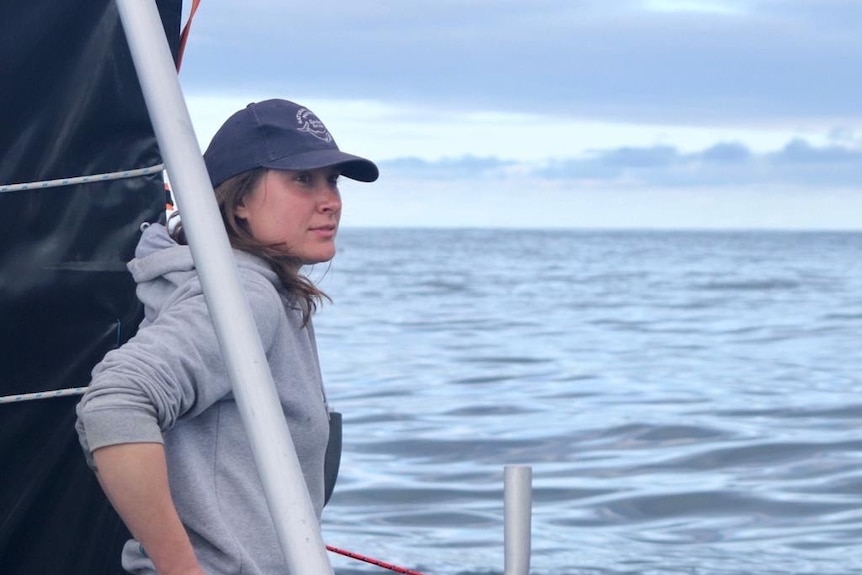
x=267, y=302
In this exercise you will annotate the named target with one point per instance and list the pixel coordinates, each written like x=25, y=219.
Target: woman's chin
x=319, y=257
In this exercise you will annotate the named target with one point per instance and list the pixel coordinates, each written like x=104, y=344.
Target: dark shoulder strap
x=333, y=456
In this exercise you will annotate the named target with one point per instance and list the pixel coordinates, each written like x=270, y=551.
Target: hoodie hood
x=162, y=266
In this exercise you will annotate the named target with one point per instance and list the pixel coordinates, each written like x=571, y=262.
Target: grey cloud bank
x=620, y=113
x=759, y=61
x=724, y=164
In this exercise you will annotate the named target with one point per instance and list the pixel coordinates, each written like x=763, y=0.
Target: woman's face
x=295, y=211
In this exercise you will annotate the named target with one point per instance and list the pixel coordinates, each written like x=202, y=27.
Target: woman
x=158, y=422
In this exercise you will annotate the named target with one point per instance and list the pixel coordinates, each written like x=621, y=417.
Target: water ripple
x=688, y=401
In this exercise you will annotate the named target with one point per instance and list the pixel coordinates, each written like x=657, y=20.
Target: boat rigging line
x=82, y=179
x=373, y=561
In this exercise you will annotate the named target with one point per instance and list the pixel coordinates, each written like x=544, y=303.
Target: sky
x=576, y=114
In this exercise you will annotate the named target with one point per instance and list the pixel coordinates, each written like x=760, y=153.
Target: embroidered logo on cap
x=311, y=124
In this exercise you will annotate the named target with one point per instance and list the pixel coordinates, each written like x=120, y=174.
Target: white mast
x=284, y=487
x=517, y=518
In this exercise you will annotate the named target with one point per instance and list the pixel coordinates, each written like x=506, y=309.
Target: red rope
x=373, y=561
x=184, y=36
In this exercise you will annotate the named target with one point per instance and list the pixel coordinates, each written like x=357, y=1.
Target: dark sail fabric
x=70, y=105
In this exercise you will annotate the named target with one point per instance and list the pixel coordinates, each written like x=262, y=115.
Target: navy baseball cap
x=281, y=135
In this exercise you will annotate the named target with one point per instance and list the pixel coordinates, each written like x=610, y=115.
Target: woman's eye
x=303, y=178
x=333, y=179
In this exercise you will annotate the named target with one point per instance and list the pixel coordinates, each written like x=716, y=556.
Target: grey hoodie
x=168, y=384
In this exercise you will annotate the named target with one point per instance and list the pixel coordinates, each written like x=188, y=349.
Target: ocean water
x=689, y=402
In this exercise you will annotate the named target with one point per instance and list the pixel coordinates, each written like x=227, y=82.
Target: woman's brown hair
x=229, y=195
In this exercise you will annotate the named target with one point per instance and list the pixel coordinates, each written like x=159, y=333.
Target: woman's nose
x=330, y=199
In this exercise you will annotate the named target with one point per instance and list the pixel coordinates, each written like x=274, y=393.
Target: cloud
x=727, y=153
x=800, y=152
x=715, y=112
x=764, y=61
x=724, y=164
x=465, y=167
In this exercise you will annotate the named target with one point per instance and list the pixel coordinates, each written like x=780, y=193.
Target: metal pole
x=284, y=487
x=517, y=512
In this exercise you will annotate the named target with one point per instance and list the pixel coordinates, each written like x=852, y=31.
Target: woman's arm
x=134, y=477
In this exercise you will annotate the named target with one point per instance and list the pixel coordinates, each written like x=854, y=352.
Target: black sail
x=70, y=106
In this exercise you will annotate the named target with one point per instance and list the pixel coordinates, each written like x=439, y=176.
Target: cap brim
x=352, y=167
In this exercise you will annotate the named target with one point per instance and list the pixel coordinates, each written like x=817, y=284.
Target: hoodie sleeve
x=171, y=368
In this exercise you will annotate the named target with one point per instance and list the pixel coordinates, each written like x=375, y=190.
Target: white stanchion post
x=517, y=513
x=284, y=487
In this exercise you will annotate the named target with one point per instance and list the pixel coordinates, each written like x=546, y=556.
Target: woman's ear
x=240, y=211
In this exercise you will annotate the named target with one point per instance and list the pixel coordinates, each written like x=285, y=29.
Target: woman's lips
x=326, y=231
